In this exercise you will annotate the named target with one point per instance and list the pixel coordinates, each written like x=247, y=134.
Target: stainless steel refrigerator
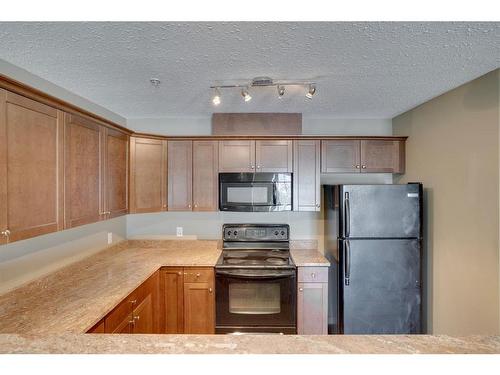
x=373, y=238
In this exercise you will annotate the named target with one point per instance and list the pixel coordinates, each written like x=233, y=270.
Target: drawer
x=313, y=274
x=198, y=275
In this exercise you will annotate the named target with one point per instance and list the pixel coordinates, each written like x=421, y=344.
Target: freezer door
x=381, y=211
x=380, y=286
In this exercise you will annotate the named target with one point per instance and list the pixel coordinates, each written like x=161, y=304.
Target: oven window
x=254, y=298
x=247, y=194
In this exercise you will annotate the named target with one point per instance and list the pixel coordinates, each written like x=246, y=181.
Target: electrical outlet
x=110, y=238
x=179, y=232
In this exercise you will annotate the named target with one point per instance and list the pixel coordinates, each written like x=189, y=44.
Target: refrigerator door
x=380, y=286
x=380, y=211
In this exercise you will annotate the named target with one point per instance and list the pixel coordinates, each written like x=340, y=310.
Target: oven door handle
x=257, y=274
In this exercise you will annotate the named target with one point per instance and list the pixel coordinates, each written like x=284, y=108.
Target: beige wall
x=453, y=149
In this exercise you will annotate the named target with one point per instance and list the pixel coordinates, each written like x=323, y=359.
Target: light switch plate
x=110, y=238
x=179, y=232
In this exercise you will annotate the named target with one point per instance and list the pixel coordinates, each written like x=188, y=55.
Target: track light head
x=216, y=98
x=281, y=91
x=311, y=91
x=246, y=95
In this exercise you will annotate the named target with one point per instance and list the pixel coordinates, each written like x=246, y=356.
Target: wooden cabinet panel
x=306, y=175
x=148, y=175
x=123, y=326
x=172, y=294
x=83, y=171
x=312, y=309
x=340, y=156
x=116, y=173
x=199, y=308
x=273, y=156
x=31, y=168
x=205, y=175
x=237, y=156
x=143, y=316
x=180, y=169
x=115, y=320
x=98, y=328
x=382, y=156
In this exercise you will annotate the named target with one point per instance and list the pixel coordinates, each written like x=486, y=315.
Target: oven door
x=256, y=300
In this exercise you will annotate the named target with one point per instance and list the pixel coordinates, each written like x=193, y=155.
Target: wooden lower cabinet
x=139, y=312
x=312, y=301
x=188, y=300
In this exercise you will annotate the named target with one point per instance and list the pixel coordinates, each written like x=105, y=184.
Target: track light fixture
x=246, y=95
x=281, y=91
x=311, y=91
x=262, y=82
x=216, y=98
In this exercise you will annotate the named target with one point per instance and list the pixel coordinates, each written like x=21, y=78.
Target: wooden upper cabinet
x=237, y=156
x=205, y=175
x=273, y=156
x=172, y=294
x=306, y=175
x=116, y=173
x=180, y=168
x=148, y=175
x=382, y=156
x=31, y=168
x=84, y=168
x=340, y=156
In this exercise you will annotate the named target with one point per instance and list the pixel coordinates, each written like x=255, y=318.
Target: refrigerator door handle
x=347, y=209
x=347, y=262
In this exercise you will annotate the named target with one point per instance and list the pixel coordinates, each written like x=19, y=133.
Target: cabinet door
x=273, y=156
x=148, y=175
x=340, y=156
x=199, y=308
x=382, y=156
x=237, y=156
x=205, y=175
x=312, y=309
x=83, y=171
x=180, y=169
x=98, y=328
x=143, y=316
x=125, y=326
x=31, y=168
x=306, y=175
x=116, y=173
x=172, y=295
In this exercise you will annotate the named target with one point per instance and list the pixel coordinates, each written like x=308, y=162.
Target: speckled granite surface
x=308, y=258
x=264, y=344
x=76, y=297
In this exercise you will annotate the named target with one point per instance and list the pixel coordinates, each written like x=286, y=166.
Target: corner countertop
x=308, y=258
x=74, y=298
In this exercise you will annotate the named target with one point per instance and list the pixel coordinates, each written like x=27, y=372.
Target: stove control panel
x=256, y=233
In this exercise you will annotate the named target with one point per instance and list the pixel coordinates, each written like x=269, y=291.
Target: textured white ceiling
x=363, y=70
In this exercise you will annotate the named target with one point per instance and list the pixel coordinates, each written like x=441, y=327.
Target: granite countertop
x=308, y=258
x=74, y=298
x=247, y=344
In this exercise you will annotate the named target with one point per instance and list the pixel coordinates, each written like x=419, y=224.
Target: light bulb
x=281, y=91
x=246, y=95
x=216, y=98
x=311, y=92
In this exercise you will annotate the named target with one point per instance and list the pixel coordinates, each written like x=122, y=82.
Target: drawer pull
x=133, y=302
x=313, y=275
x=209, y=290
x=301, y=289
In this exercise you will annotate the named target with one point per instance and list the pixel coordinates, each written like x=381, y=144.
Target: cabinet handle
x=253, y=167
x=132, y=322
x=357, y=166
x=189, y=206
x=209, y=290
x=195, y=205
x=180, y=273
x=6, y=233
x=133, y=302
x=164, y=206
x=363, y=166
x=258, y=167
x=198, y=275
x=313, y=275
x=301, y=289
x=137, y=317
x=108, y=212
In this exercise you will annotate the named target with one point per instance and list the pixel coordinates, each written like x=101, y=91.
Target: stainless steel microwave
x=255, y=192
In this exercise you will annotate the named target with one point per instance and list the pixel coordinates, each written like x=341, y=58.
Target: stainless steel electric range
x=256, y=284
